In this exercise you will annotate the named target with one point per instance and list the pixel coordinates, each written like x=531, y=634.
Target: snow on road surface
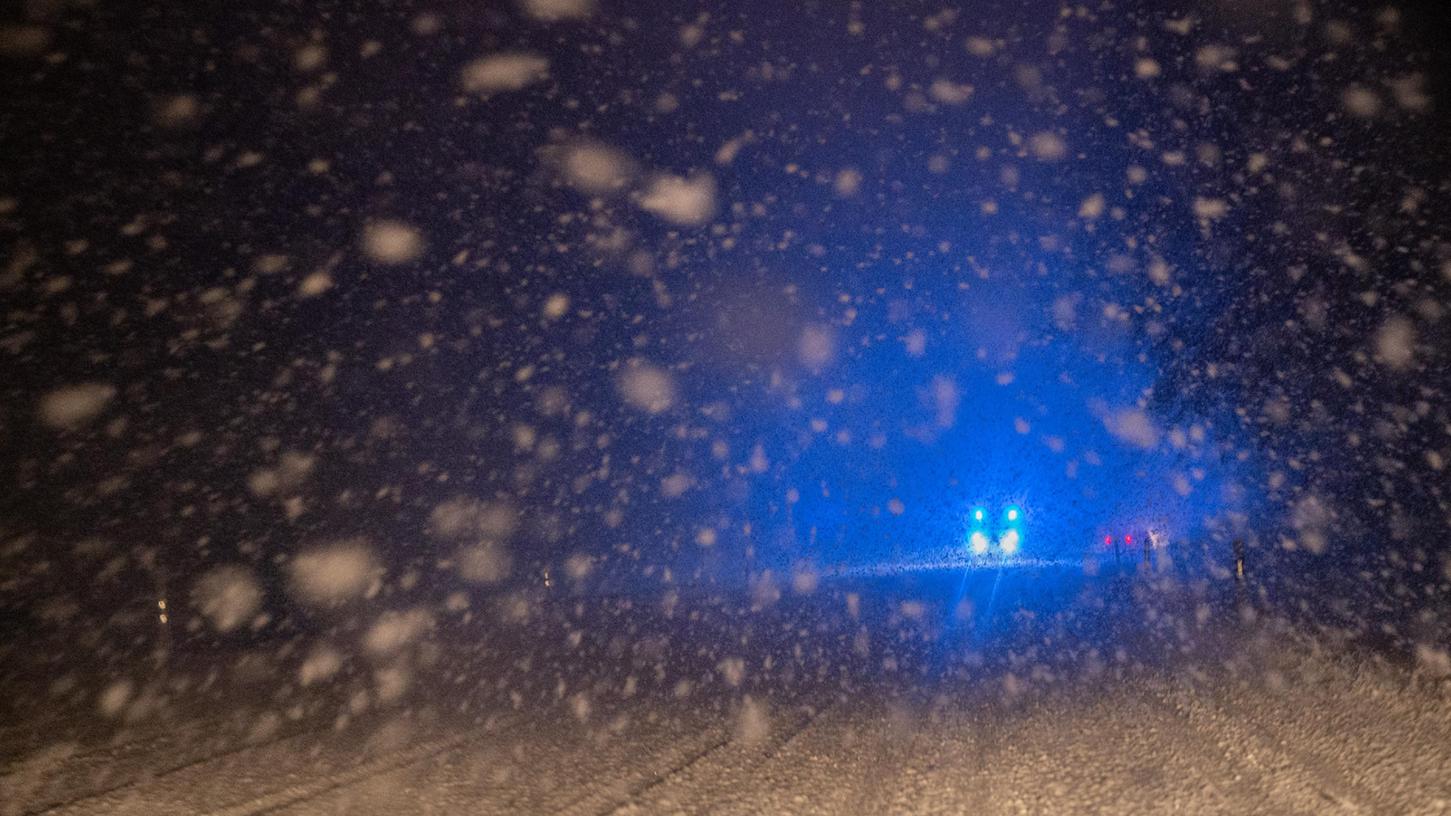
x=1250, y=718
x=1356, y=747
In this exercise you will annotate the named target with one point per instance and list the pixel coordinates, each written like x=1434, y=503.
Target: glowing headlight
x=978, y=542
x=1013, y=514
x=979, y=515
x=1009, y=542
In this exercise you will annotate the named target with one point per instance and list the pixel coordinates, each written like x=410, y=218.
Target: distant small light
x=161, y=604
x=1009, y=542
x=1107, y=540
x=977, y=515
x=1013, y=514
x=1128, y=539
x=978, y=542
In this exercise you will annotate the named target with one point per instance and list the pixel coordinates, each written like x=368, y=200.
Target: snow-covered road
x=1251, y=719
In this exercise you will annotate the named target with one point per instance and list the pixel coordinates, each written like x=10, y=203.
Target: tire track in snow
x=68, y=767
x=133, y=791
x=713, y=767
x=128, y=740
x=68, y=764
x=612, y=798
x=852, y=759
x=1088, y=751
x=955, y=746
x=311, y=789
x=1292, y=775
x=143, y=776
x=555, y=763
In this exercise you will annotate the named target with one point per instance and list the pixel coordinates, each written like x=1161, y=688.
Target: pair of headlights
x=1011, y=515
x=1010, y=534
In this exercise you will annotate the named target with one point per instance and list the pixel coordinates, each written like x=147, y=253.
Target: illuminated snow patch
x=685, y=201
x=1395, y=343
x=467, y=517
x=394, y=630
x=948, y=92
x=321, y=664
x=228, y=597
x=334, y=574
x=487, y=563
x=1048, y=147
x=509, y=71
x=647, y=387
x=554, y=10
x=75, y=405
x=596, y=169
x=1132, y=426
x=392, y=242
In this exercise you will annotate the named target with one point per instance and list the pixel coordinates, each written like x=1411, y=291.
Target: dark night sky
x=901, y=297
